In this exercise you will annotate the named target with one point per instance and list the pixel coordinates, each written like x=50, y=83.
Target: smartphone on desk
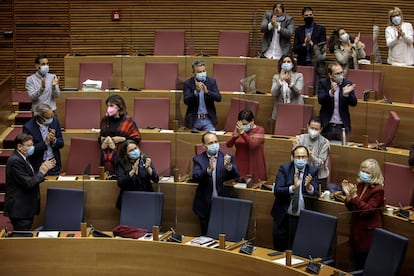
x=275, y=253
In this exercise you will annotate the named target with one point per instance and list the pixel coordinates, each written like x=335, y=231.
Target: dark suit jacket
x=31, y=127
x=327, y=103
x=202, y=199
x=318, y=36
x=287, y=29
x=22, y=198
x=364, y=222
x=191, y=100
x=284, y=179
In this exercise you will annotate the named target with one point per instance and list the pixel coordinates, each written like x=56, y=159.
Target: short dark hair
x=204, y=135
x=246, y=114
x=197, y=63
x=315, y=119
x=39, y=57
x=21, y=138
x=332, y=65
x=279, y=66
x=292, y=153
x=119, y=101
x=279, y=5
x=306, y=9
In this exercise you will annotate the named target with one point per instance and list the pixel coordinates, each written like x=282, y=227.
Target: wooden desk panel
x=101, y=212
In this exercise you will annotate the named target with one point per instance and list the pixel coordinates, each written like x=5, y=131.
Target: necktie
x=296, y=195
x=30, y=165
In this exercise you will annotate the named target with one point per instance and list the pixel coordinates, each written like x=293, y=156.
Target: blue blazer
x=31, y=127
x=22, y=198
x=192, y=100
x=202, y=199
x=327, y=103
x=284, y=179
x=318, y=36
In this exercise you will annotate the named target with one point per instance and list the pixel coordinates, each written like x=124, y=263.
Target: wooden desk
x=100, y=256
x=178, y=199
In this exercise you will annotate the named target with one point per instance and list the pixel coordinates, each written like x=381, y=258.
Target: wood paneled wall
x=59, y=27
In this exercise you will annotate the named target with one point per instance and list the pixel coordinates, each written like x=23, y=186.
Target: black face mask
x=308, y=21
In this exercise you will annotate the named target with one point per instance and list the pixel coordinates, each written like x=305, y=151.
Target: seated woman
x=366, y=201
x=116, y=127
x=288, y=84
x=135, y=170
x=346, y=49
x=249, y=140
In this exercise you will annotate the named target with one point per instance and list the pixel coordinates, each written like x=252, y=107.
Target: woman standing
x=399, y=39
x=116, y=127
x=249, y=141
x=347, y=50
x=135, y=170
x=366, y=201
x=288, y=84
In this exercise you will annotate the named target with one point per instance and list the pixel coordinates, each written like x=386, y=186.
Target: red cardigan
x=367, y=215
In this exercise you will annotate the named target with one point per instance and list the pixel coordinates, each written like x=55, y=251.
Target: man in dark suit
x=308, y=37
x=45, y=129
x=200, y=93
x=22, y=200
x=294, y=180
x=277, y=28
x=211, y=168
x=335, y=95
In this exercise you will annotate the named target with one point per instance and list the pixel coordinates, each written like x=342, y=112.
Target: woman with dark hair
x=347, y=50
x=135, y=170
x=249, y=141
x=288, y=84
x=116, y=127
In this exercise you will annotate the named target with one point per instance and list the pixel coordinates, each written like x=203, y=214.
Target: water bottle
x=343, y=140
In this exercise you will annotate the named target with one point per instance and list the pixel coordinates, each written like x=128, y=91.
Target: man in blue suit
x=210, y=170
x=200, y=93
x=294, y=181
x=335, y=95
x=45, y=129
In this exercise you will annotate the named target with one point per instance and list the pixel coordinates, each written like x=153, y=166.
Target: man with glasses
x=335, y=95
x=22, y=200
x=45, y=129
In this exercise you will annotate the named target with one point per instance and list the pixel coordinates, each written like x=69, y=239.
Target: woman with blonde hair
x=399, y=39
x=366, y=202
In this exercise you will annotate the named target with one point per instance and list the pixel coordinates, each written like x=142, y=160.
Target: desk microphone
x=86, y=172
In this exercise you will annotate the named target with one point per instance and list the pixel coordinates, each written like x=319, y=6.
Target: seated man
x=211, y=168
x=200, y=93
x=47, y=136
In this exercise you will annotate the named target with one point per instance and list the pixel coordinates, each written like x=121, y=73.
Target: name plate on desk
x=66, y=178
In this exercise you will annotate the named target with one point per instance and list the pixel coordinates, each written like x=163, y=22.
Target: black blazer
x=284, y=179
x=31, y=127
x=191, y=100
x=202, y=199
x=22, y=198
x=318, y=36
x=327, y=103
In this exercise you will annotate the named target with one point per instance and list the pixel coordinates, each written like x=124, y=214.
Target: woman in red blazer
x=366, y=201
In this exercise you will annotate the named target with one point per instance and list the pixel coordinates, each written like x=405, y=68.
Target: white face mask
x=44, y=69
x=313, y=133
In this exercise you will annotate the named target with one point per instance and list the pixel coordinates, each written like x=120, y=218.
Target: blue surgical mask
x=396, y=20
x=44, y=69
x=345, y=37
x=300, y=163
x=201, y=76
x=287, y=66
x=30, y=150
x=134, y=155
x=339, y=79
x=47, y=121
x=247, y=128
x=365, y=177
x=213, y=148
